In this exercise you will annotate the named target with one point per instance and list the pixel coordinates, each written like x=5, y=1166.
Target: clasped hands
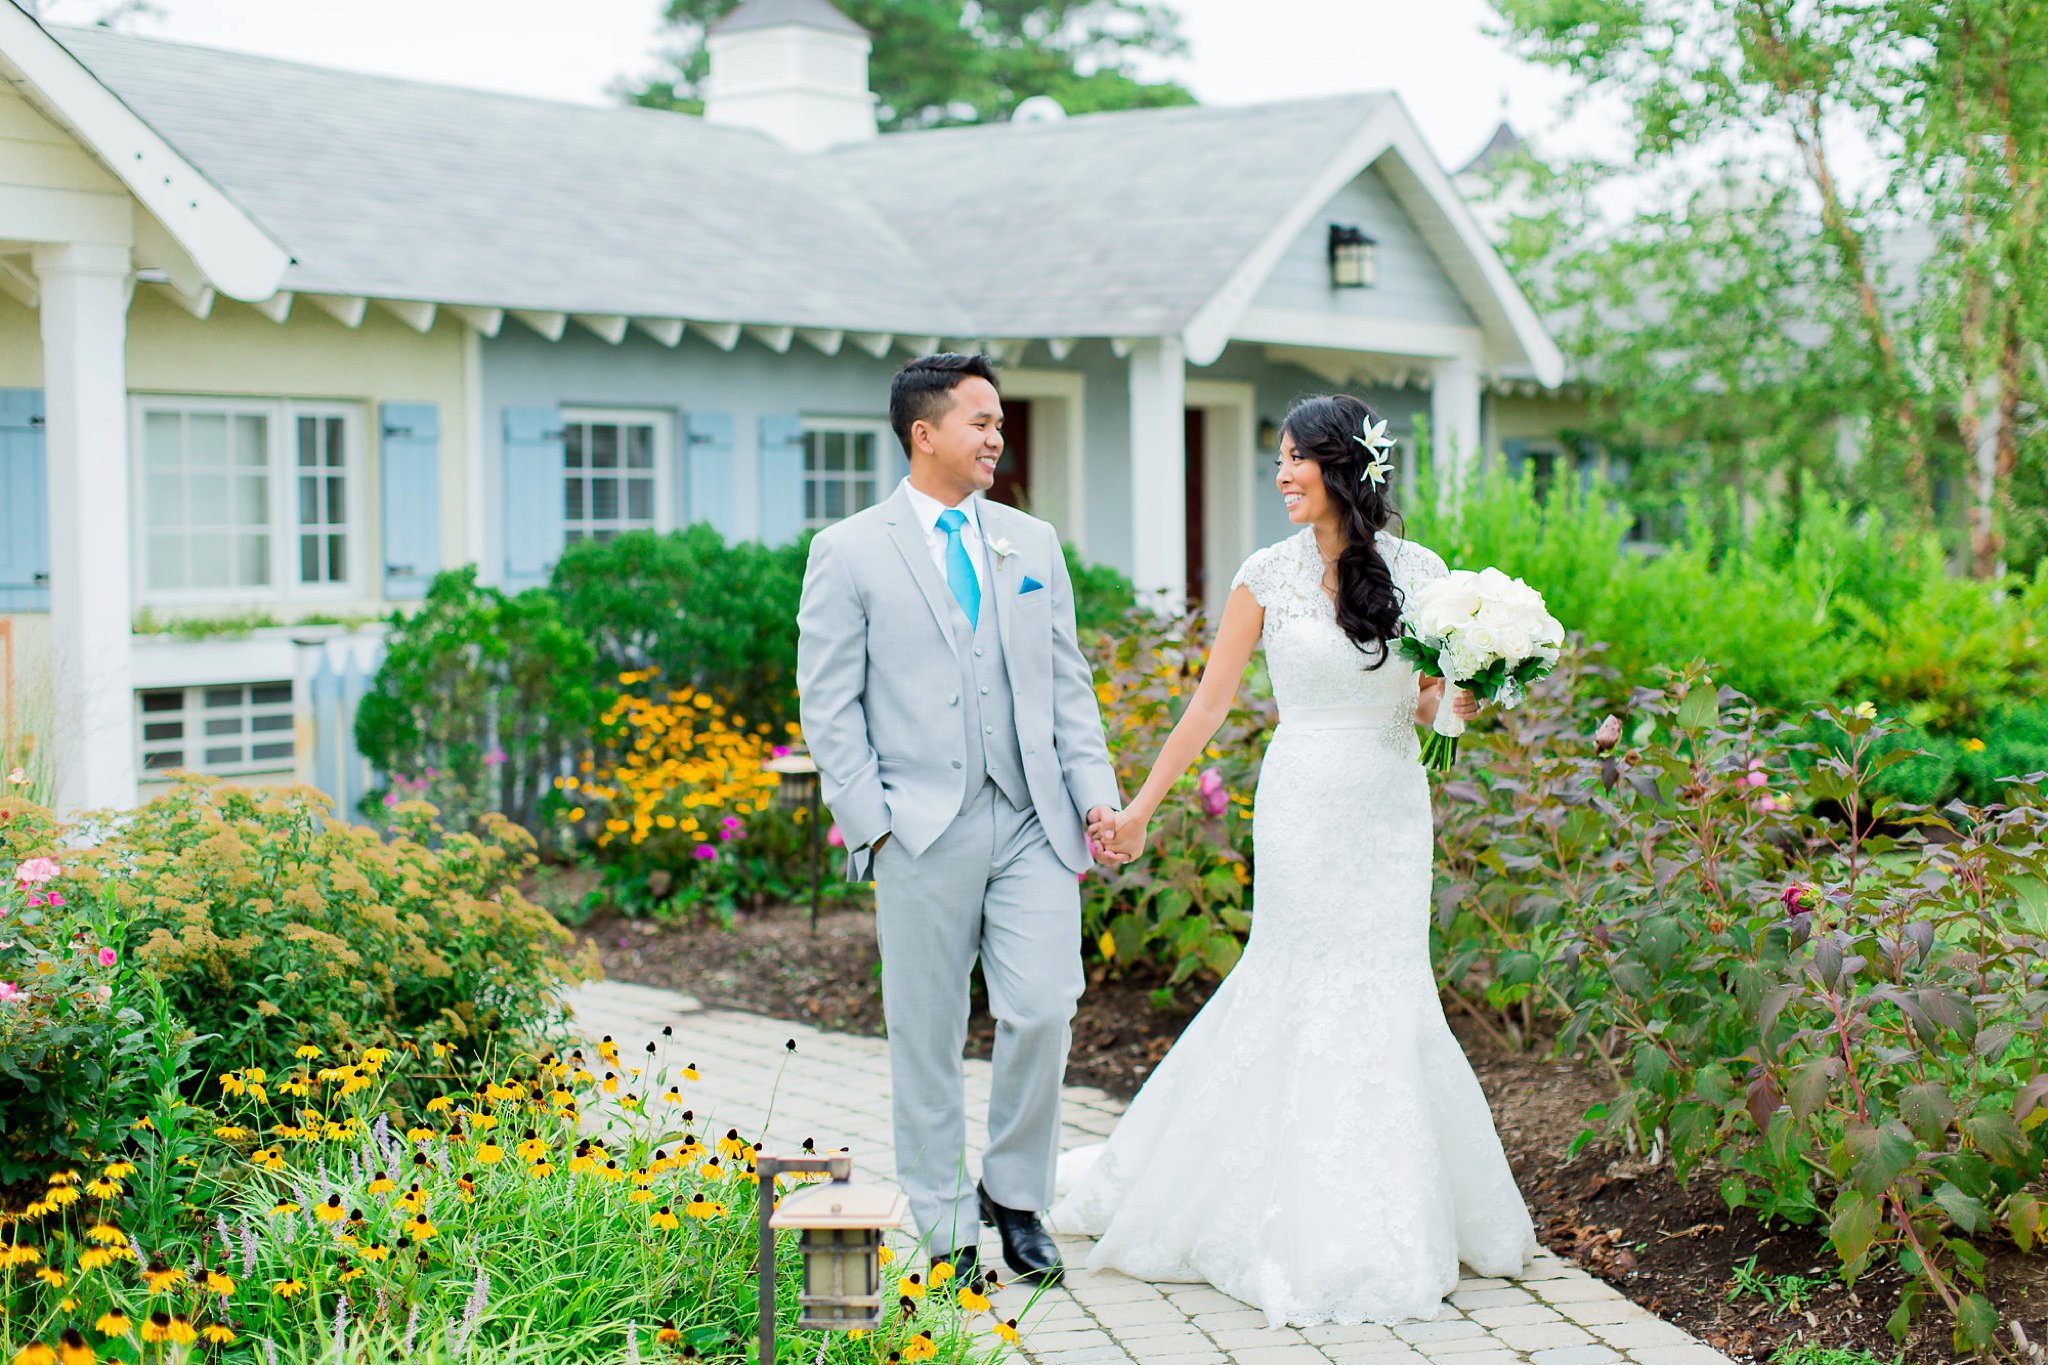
x=1115, y=837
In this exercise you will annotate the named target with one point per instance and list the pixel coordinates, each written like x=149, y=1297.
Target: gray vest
x=987, y=708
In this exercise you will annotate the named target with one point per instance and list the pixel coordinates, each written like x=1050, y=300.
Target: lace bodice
x=1314, y=664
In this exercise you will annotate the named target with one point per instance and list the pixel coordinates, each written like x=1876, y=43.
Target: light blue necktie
x=959, y=570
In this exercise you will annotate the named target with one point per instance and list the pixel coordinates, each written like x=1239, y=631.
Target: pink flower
x=835, y=838
x=492, y=759
x=1215, y=799
x=53, y=899
x=36, y=871
x=704, y=853
x=1771, y=803
x=779, y=751
x=38, y=901
x=1756, y=779
x=9, y=992
x=108, y=957
x=1794, y=897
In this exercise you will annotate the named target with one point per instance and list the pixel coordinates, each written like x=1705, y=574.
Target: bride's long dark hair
x=1368, y=604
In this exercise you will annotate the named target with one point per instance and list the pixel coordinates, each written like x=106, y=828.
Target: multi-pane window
x=842, y=469
x=239, y=499
x=323, y=498
x=237, y=728
x=610, y=470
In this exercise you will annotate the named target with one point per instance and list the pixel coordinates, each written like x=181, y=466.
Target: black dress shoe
x=1027, y=1247
x=966, y=1263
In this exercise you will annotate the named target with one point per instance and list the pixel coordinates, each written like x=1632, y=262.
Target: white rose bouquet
x=1484, y=632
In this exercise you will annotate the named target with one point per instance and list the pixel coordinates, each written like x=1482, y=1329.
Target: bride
x=1315, y=1144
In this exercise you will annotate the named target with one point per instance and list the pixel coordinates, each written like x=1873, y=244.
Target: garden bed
x=1675, y=1250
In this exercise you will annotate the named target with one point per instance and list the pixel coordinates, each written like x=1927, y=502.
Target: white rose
x=1511, y=638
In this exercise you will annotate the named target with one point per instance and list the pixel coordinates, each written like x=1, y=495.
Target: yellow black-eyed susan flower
x=36, y=1353
x=354, y=1272
x=307, y=1053
x=711, y=1170
x=609, y=1050
x=119, y=1170
x=182, y=1332
x=283, y=1206
x=74, y=1349
x=418, y=1228
x=374, y=1251
x=107, y=1235
x=665, y=1219
x=61, y=1195
x=942, y=1271
x=160, y=1277
x=104, y=1188
x=285, y=1289
x=733, y=1145
x=673, y=1095
x=668, y=1335
x=157, y=1327
x=383, y=1184
x=52, y=1276
x=489, y=1153
x=331, y=1211
x=919, y=1347
x=217, y=1283
x=112, y=1323
x=466, y=1187
x=541, y=1170
x=99, y=1258
x=690, y=1072
x=420, y=1134
x=911, y=1287
x=700, y=1207
x=219, y=1333
x=1007, y=1331
x=973, y=1300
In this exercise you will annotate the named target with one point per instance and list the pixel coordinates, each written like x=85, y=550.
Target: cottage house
x=280, y=342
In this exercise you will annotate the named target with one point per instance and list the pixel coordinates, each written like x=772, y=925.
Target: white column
x=1159, y=487
x=1454, y=421
x=85, y=292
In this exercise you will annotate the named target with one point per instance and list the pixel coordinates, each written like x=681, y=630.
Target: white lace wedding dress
x=1316, y=1144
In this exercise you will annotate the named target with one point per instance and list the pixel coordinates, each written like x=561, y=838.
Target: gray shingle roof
x=769, y=13
x=399, y=189
x=1105, y=225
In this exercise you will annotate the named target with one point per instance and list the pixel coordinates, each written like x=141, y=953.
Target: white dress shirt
x=927, y=509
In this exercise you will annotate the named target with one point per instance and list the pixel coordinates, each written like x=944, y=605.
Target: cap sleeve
x=1260, y=574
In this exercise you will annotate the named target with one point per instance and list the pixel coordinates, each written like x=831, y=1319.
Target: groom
x=953, y=718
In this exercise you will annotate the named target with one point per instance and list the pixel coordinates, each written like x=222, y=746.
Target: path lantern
x=841, y=1225
x=1354, y=258
x=802, y=789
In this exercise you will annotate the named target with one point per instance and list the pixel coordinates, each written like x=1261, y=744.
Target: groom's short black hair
x=922, y=390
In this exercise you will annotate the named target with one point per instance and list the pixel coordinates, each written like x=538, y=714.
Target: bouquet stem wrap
x=1440, y=746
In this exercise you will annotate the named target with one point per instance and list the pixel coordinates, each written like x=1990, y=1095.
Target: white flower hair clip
x=1373, y=436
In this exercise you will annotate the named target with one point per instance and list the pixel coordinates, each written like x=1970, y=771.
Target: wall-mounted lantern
x=1354, y=258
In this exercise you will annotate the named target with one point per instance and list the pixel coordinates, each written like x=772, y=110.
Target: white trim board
x=1058, y=484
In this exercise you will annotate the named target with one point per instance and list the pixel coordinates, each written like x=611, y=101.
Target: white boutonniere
x=1001, y=547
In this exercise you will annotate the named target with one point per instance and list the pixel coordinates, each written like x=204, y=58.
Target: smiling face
x=954, y=456
x=1300, y=481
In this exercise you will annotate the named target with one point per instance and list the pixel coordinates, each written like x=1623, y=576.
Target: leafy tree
x=1768, y=307
x=963, y=61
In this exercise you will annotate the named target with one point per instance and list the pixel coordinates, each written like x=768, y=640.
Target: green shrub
x=73, y=1046
x=479, y=704
x=1828, y=994
x=1102, y=597
x=269, y=924
x=716, y=617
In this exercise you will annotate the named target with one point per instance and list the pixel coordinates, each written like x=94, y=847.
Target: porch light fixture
x=1354, y=258
x=841, y=1225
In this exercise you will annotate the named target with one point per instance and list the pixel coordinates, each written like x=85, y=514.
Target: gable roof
x=1160, y=222
x=205, y=236
x=1120, y=224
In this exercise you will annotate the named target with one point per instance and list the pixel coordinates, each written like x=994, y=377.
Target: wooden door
x=1013, y=475
x=1196, y=502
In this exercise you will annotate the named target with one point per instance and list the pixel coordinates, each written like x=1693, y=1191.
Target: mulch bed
x=1672, y=1249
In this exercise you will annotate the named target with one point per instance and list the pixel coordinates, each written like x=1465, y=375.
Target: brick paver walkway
x=835, y=1087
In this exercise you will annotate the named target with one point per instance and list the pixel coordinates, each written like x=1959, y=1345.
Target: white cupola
x=794, y=69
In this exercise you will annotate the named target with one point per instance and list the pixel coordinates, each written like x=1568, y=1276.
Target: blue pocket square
x=1030, y=585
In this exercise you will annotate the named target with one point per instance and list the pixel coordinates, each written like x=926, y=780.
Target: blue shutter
x=782, y=478
x=533, y=495
x=707, y=481
x=24, y=503
x=411, y=468
x=1516, y=453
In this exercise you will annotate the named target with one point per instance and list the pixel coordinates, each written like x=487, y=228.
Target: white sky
x=1435, y=53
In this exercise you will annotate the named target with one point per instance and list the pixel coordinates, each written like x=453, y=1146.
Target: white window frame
x=884, y=437
x=282, y=417
x=193, y=715
x=663, y=422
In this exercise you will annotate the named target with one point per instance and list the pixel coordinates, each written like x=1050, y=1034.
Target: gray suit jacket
x=876, y=660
